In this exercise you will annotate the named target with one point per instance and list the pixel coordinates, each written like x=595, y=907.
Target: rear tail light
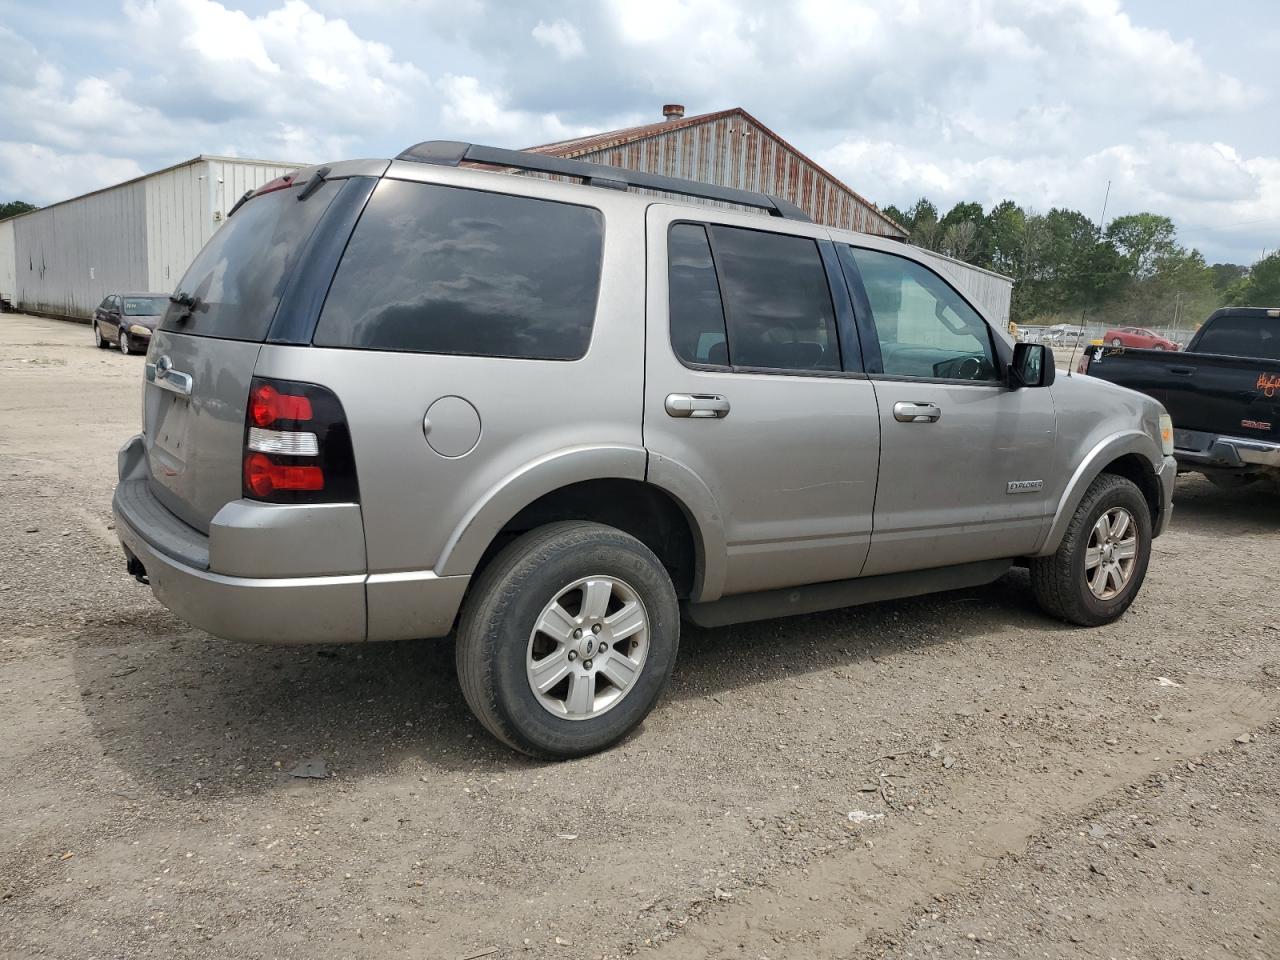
x=297, y=447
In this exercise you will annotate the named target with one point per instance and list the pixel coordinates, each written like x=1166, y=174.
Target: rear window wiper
x=187, y=302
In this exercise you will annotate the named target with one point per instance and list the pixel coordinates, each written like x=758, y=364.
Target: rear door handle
x=905, y=412
x=162, y=374
x=1184, y=371
x=697, y=405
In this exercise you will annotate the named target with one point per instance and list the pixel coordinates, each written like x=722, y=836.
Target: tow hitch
x=133, y=566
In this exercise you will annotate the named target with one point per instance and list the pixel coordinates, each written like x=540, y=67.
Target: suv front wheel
x=1099, y=567
x=567, y=639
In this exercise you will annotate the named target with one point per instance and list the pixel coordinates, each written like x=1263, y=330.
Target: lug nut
x=573, y=655
x=587, y=664
x=577, y=634
x=595, y=628
x=603, y=646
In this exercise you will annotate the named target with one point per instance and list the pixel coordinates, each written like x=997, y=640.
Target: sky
x=1038, y=101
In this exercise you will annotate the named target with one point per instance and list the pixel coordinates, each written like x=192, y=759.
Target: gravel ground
x=949, y=776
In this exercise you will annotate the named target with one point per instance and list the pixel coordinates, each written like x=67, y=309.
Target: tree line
x=1132, y=272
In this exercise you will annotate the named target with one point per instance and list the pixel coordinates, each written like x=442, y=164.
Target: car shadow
x=1201, y=508
x=186, y=714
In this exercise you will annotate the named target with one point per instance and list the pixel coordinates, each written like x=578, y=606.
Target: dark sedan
x=127, y=320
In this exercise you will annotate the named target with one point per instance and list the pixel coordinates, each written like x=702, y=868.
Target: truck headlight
x=1166, y=434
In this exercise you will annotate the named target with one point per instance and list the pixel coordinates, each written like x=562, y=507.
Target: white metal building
x=138, y=235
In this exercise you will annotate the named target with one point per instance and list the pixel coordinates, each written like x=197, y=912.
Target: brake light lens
x=297, y=447
x=263, y=476
x=267, y=405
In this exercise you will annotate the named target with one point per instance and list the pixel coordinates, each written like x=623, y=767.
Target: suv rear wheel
x=567, y=639
x=1102, y=560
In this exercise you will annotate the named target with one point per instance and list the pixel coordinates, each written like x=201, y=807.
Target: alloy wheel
x=1111, y=555
x=588, y=648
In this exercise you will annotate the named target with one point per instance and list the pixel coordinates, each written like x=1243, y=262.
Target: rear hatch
x=203, y=354
x=1228, y=382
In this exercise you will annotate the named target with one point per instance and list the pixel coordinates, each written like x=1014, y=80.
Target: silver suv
x=409, y=398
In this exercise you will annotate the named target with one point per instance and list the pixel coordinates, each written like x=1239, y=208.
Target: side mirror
x=1032, y=366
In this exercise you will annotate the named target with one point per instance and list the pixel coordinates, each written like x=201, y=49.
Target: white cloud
x=560, y=36
x=1218, y=196
x=43, y=175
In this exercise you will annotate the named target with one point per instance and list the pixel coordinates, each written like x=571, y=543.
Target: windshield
x=1255, y=337
x=145, y=306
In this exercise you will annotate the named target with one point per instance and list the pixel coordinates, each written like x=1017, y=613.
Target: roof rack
x=451, y=153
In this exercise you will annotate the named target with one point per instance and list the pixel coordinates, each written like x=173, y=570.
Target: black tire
x=1059, y=582
x=1117, y=342
x=498, y=616
x=99, y=340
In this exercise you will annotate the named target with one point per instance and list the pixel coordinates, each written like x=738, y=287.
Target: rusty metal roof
x=820, y=208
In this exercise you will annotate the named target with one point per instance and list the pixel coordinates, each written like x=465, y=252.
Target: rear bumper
x=228, y=583
x=1195, y=448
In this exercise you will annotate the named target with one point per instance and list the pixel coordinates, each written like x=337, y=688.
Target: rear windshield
x=434, y=269
x=145, y=306
x=1257, y=337
x=238, y=277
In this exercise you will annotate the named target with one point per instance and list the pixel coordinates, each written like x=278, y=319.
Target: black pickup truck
x=1222, y=392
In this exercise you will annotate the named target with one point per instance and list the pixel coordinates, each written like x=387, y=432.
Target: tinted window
x=238, y=277
x=105, y=304
x=697, y=316
x=776, y=299
x=1255, y=337
x=924, y=327
x=434, y=269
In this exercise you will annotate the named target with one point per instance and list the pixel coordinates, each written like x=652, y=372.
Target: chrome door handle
x=699, y=405
x=905, y=412
x=162, y=374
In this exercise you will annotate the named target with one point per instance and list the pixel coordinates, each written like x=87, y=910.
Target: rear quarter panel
x=543, y=423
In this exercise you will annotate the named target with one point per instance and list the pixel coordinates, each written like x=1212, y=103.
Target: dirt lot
x=954, y=776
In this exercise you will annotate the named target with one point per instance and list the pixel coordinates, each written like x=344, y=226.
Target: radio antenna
x=1071, y=364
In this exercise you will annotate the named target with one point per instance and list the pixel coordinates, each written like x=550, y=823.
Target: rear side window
x=434, y=269
x=776, y=299
x=1242, y=337
x=238, y=277
x=697, y=315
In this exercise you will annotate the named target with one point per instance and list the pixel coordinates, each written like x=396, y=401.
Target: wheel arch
x=605, y=484
x=1130, y=454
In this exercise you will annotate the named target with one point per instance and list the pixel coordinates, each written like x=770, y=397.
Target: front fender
x=472, y=536
x=1106, y=451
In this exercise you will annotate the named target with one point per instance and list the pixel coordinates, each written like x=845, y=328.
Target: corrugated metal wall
x=71, y=255
x=989, y=291
x=178, y=222
x=140, y=235
x=732, y=151
x=8, y=278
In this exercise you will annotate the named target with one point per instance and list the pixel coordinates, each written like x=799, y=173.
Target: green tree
x=1225, y=275
x=1261, y=288
x=15, y=207
x=1142, y=238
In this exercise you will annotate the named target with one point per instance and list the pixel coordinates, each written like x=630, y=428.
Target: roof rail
x=451, y=153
